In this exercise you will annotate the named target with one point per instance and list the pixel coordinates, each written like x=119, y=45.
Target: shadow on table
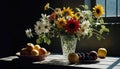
x=22, y=63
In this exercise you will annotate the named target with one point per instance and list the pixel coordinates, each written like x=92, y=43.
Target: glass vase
x=68, y=44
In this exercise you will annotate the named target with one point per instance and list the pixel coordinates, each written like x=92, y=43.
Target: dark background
x=18, y=15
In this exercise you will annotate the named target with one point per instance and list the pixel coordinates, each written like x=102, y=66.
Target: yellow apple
x=73, y=57
x=30, y=46
x=37, y=47
x=34, y=52
x=102, y=52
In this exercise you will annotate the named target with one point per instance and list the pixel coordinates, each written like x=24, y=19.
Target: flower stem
x=52, y=8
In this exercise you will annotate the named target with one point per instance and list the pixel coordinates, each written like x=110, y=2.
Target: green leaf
x=78, y=9
x=90, y=34
x=103, y=29
x=39, y=40
x=49, y=42
x=102, y=21
x=86, y=7
x=98, y=38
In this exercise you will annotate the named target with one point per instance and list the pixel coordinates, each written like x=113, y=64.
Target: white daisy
x=44, y=17
x=85, y=32
x=84, y=28
x=42, y=27
x=46, y=26
x=38, y=28
x=29, y=33
x=85, y=24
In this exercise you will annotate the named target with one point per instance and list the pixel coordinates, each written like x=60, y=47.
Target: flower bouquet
x=68, y=24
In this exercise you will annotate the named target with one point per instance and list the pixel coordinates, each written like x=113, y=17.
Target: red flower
x=72, y=26
x=52, y=16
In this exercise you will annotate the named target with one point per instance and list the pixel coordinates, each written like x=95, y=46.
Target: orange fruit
x=34, y=52
x=102, y=52
x=73, y=57
x=42, y=51
x=37, y=47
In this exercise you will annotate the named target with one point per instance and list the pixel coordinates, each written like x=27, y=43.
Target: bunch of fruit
x=33, y=50
x=92, y=55
x=77, y=57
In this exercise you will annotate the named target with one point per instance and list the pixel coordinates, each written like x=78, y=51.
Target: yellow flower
x=79, y=15
x=98, y=11
x=46, y=6
x=58, y=11
x=67, y=11
x=60, y=22
x=75, y=17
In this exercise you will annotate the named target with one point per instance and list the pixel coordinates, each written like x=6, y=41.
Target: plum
x=93, y=55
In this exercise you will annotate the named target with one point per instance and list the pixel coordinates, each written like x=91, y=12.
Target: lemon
x=102, y=52
x=73, y=57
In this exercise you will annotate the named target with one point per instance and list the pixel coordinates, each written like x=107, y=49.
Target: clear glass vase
x=68, y=44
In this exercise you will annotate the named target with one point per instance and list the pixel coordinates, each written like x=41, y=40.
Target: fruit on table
x=37, y=47
x=30, y=46
x=34, y=52
x=80, y=56
x=93, y=54
x=73, y=57
x=102, y=52
x=24, y=51
x=42, y=51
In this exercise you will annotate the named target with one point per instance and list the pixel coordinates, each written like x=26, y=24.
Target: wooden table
x=59, y=61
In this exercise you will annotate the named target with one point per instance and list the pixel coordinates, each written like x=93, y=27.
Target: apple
x=73, y=57
x=37, y=47
x=102, y=52
x=30, y=46
x=34, y=52
x=93, y=54
x=24, y=52
x=42, y=51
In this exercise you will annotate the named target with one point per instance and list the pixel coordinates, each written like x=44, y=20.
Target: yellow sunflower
x=98, y=10
x=47, y=6
x=79, y=15
x=75, y=17
x=67, y=11
x=60, y=22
